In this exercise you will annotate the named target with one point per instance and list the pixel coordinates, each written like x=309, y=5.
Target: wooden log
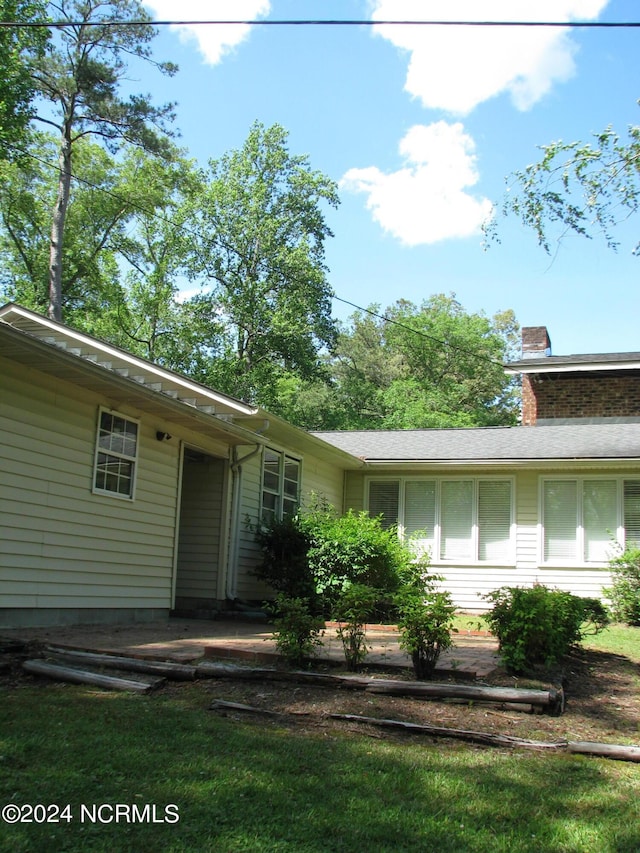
x=552, y=699
x=606, y=750
x=80, y=676
x=459, y=734
x=212, y=669
x=175, y=671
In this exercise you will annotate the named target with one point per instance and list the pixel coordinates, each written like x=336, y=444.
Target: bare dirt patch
x=602, y=694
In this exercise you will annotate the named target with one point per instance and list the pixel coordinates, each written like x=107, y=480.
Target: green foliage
x=298, y=631
x=412, y=367
x=353, y=609
x=260, y=257
x=79, y=78
x=353, y=549
x=318, y=554
x=19, y=47
x=425, y=621
x=625, y=592
x=285, y=564
x=538, y=625
x=587, y=188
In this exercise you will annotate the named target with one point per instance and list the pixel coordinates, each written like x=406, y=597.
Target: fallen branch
x=80, y=676
x=602, y=750
x=175, y=671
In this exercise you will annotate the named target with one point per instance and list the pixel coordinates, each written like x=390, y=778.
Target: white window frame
x=435, y=548
x=115, y=454
x=279, y=492
x=618, y=535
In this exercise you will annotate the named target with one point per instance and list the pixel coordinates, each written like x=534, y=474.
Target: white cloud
x=426, y=201
x=212, y=41
x=457, y=68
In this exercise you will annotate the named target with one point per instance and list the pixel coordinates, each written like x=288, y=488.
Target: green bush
x=285, y=564
x=316, y=554
x=298, y=630
x=625, y=592
x=425, y=621
x=353, y=549
x=353, y=609
x=538, y=625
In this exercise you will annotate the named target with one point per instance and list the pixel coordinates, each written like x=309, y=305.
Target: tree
x=19, y=46
x=80, y=75
x=587, y=188
x=260, y=259
x=433, y=365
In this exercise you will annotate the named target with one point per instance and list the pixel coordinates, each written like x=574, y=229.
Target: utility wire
x=296, y=22
x=195, y=236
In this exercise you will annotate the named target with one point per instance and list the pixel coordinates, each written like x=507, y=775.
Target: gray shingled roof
x=593, y=361
x=549, y=442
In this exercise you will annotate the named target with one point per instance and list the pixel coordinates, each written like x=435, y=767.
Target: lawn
x=246, y=784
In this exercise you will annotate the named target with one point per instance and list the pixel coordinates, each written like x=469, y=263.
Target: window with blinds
x=384, y=497
x=455, y=520
x=582, y=517
x=632, y=513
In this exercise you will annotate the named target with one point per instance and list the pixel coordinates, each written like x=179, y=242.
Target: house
x=128, y=491
x=125, y=489
x=539, y=503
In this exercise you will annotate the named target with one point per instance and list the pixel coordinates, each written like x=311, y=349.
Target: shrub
x=538, y=625
x=285, y=565
x=425, y=621
x=354, y=607
x=353, y=549
x=298, y=631
x=625, y=592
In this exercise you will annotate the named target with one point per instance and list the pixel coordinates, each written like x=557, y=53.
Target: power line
x=419, y=332
x=298, y=22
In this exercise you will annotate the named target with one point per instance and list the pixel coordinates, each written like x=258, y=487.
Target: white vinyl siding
x=466, y=520
x=583, y=518
x=64, y=546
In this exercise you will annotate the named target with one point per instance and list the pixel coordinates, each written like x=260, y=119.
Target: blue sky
x=420, y=126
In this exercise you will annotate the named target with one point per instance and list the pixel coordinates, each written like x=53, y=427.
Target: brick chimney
x=536, y=343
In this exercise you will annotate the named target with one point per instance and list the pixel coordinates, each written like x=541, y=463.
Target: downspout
x=235, y=467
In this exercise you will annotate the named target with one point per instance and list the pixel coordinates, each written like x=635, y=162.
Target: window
x=457, y=520
x=280, y=485
x=116, y=455
x=581, y=516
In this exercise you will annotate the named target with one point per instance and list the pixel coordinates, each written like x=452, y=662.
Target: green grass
x=617, y=639
x=252, y=786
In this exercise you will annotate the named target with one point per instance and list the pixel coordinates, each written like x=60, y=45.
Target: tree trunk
x=57, y=226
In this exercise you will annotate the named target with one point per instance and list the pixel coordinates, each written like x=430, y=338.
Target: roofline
x=503, y=463
x=221, y=425
x=189, y=385
x=544, y=366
